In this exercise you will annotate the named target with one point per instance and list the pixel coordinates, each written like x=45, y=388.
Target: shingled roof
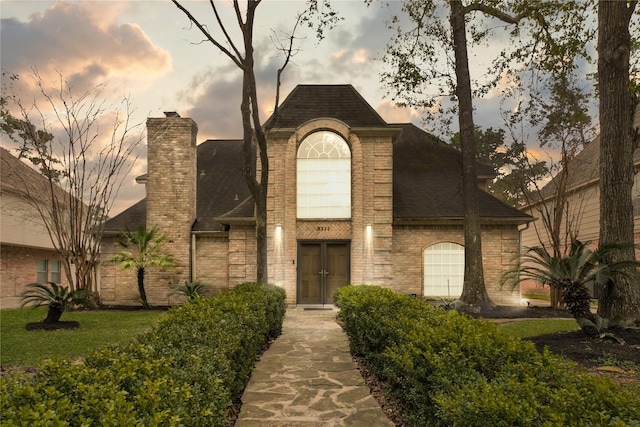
x=19, y=177
x=427, y=173
x=221, y=190
x=342, y=102
x=584, y=168
x=427, y=181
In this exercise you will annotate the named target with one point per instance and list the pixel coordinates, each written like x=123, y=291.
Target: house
x=351, y=199
x=581, y=209
x=27, y=252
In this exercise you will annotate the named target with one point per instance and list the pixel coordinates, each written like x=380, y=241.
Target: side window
x=444, y=270
x=54, y=269
x=324, y=176
x=635, y=194
x=42, y=271
x=48, y=271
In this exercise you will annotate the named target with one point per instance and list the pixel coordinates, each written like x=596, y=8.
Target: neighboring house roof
x=18, y=177
x=427, y=181
x=427, y=173
x=584, y=168
x=15, y=174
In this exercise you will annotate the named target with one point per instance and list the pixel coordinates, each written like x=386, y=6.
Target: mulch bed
x=575, y=345
x=52, y=326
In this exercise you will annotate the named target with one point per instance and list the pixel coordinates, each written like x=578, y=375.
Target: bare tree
x=83, y=166
x=241, y=53
x=563, y=124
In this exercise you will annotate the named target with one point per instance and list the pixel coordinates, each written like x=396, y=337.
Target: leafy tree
x=619, y=96
x=57, y=298
x=559, y=112
x=241, y=53
x=430, y=64
x=507, y=163
x=83, y=165
x=140, y=250
x=570, y=273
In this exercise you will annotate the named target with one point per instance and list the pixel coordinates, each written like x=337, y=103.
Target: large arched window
x=444, y=270
x=324, y=176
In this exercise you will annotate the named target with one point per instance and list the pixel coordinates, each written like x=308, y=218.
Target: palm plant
x=142, y=249
x=58, y=298
x=570, y=273
x=191, y=290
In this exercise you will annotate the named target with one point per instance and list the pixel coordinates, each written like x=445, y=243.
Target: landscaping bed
x=443, y=368
x=186, y=371
x=575, y=345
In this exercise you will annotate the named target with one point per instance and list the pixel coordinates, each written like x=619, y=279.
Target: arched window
x=324, y=176
x=444, y=270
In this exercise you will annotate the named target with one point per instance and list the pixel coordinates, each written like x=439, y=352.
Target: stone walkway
x=308, y=379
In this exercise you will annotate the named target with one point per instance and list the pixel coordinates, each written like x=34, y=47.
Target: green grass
x=19, y=347
x=535, y=327
x=544, y=297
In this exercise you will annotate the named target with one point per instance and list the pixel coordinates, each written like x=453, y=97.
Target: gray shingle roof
x=427, y=172
x=584, y=167
x=427, y=181
x=342, y=102
x=221, y=190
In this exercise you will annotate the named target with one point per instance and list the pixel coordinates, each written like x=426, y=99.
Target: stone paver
x=307, y=378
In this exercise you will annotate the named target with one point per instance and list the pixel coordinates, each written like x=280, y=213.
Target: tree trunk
x=474, y=290
x=261, y=242
x=143, y=294
x=619, y=300
x=252, y=132
x=54, y=313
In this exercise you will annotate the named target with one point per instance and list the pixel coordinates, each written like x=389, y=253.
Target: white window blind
x=444, y=270
x=324, y=177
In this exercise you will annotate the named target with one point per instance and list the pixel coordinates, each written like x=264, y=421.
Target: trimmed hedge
x=448, y=369
x=184, y=372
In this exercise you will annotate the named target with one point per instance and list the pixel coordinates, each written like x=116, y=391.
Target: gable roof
x=427, y=173
x=427, y=181
x=584, y=168
x=221, y=190
x=16, y=176
x=342, y=102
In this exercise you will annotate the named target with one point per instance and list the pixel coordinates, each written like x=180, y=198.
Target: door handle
x=323, y=272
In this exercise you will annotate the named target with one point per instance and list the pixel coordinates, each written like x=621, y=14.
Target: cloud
x=84, y=42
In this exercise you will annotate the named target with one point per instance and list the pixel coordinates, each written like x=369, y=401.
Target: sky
x=148, y=52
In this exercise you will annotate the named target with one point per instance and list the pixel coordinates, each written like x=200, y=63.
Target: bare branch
x=496, y=13
x=206, y=33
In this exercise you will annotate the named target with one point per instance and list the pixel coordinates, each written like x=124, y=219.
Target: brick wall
x=171, y=197
x=212, y=266
x=499, y=245
x=371, y=204
x=18, y=268
x=117, y=286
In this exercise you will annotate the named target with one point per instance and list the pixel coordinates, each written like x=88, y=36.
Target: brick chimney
x=171, y=196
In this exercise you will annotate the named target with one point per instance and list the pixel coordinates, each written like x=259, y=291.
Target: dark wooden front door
x=323, y=267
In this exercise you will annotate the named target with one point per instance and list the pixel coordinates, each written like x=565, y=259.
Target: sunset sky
x=148, y=51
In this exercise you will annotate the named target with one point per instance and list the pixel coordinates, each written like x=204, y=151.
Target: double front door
x=323, y=267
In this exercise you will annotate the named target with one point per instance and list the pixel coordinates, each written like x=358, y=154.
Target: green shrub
x=185, y=371
x=447, y=369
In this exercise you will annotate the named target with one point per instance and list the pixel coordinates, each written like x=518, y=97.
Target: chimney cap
x=171, y=114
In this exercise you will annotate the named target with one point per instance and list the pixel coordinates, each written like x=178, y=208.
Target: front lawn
x=97, y=328
x=534, y=327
